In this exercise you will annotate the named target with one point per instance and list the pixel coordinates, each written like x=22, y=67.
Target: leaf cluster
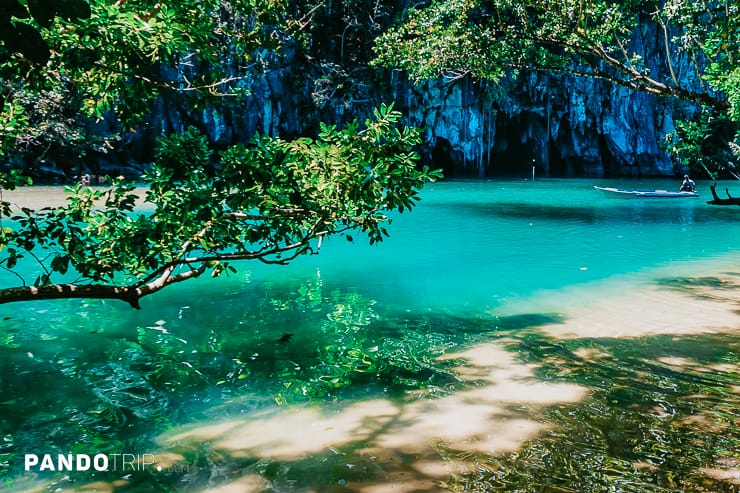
x=272, y=200
x=127, y=53
x=494, y=39
x=111, y=58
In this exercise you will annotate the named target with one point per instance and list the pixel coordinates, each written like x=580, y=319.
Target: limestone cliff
x=562, y=125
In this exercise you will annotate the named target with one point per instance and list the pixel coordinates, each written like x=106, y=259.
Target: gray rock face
x=563, y=125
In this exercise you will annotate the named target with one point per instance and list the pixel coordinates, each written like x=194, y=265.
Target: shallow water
x=525, y=289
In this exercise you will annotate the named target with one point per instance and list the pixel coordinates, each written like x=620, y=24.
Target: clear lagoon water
x=476, y=262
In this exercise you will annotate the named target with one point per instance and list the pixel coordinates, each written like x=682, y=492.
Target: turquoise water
x=475, y=245
x=97, y=376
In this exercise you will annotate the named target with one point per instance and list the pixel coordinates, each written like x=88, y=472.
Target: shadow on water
x=587, y=213
x=313, y=389
x=515, y=210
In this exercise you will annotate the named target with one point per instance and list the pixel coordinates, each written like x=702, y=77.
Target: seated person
x=688, y=184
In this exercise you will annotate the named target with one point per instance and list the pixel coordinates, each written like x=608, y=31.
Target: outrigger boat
x=645, y=194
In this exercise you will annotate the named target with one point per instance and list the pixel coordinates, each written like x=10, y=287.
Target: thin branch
x=40, y=262
x=171, y=87
x=625, y=53
x=637, y=80
x=160, y=283
x=166, y=270
x=22, y=279
x=306, y=19
x=668, y=56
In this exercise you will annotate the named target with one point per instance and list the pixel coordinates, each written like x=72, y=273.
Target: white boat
x=645, y=194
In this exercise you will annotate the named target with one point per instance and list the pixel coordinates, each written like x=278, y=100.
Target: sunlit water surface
x=475, y=262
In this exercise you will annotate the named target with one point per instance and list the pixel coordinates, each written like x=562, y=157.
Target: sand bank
x=690, y=298
x=397, y=443
x=400, y=446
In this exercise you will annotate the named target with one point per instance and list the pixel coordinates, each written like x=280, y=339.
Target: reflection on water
x=508, y=336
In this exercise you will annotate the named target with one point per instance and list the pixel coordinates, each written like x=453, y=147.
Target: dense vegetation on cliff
x=87, y=82
x=512, y=70
x=697, y=59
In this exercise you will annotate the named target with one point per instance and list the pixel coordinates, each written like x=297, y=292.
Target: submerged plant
x=659, y=419
x=126, y=390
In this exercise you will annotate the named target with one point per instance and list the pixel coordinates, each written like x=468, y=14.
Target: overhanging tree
x=108, y=56
x=269, y=200
x=699, y=61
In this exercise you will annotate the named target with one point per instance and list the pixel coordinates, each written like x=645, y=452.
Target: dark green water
x=475, y=263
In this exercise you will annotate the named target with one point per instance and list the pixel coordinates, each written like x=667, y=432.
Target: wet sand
x=405, y=444
x=658, y=310
x=683, y=302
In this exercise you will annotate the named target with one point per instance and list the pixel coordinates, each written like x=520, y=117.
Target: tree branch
x=730, y=200
x=211, y=88
x=158, y=279
x=636, y=80
x=166, y=269
x=129, y=294
x=668, y=55
x=60, y=291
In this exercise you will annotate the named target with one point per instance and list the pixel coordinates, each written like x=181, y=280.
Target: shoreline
x=39, y=196
x=701, y=296
x=415, y=444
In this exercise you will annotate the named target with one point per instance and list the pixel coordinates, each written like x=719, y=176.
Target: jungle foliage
x=200, y=209
x=80, y=64
x=699, y=62
x=88, y=68
x=272, y=201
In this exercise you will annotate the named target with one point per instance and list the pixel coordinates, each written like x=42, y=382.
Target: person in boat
x=688, y=184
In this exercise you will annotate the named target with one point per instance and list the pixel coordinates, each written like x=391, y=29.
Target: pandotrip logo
x=85, y=462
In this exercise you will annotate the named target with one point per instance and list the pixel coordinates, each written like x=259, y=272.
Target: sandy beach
x=402, y=442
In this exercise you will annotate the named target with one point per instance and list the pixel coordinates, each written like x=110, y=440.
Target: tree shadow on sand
x=651, y=412
x=528, y=407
